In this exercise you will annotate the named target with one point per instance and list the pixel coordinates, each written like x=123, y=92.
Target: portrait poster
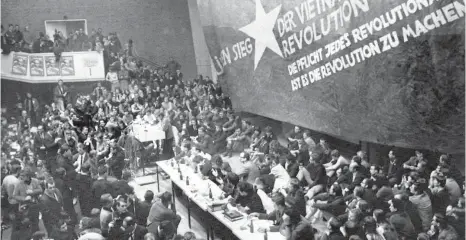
x=67, y=66
x=19, y=66
x=51, y=66
x=36, y=66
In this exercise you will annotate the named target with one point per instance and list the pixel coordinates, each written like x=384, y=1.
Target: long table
x=198, y=192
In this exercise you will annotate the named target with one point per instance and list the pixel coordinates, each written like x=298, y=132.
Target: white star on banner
x=262, y=31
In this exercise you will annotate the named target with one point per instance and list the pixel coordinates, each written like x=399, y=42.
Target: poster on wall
x=36, y=66
x=51, y=66
x=19, y=66
x=67, y=66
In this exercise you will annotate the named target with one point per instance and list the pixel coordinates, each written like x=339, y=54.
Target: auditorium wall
x=159, y=29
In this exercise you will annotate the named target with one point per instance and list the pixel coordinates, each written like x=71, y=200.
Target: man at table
x=275, y=216
x=160, y=212
x=247, y=199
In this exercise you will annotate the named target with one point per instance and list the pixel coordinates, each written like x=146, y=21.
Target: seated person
x=336, y=162
x=296, y=227
x=276, y=215
x=247, y=199
x=327, y=205
x=236, y=142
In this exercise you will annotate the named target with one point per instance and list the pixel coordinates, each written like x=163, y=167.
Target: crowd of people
x=66, y=154
x=24, y=40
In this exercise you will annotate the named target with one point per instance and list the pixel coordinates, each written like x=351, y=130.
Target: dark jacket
x=253, y=202
x=84, y=191
x=100, y=187
x=50, y=207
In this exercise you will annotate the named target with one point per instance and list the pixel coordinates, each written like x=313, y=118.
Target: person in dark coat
x=142, y=208
x=248, y=199
x=161, y=212
x=219, y=140
x=116, y=161
x=121, y=187
x=99, y=187
x=51, y=205
x=83, y=189
x=66, y=188
x=133, y=230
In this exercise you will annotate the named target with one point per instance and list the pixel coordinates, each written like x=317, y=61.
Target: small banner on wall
x=36, y=65
x=19, y=66
x=67, y=66
x=51, y=66
x=43, y=67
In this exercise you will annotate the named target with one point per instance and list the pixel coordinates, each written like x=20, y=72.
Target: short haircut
x=335, y=153
x=369, y=182
x=126, y=174
x=356, y=159
x=106, y=199
x=15, y=168
x=337, y=189
x=278, y=199
x=294, y=183
x=364, y=205
x=245, y=187
x=189, y=236
x=233, y=178
x=226, y=167
x=334, y=224
x=398, y=204
x=445, y=158
x=149, y=196
x=50, y=181
x=166, y=197
x=358, y=191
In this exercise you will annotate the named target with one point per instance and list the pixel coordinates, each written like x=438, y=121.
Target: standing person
x=8, y=187
x=66, y=188
x=61, y=95
x=84, y=186
x=172, y=66
x=52, y=206
x=161, y=212
x=142, y=208
x=51, y=147
x=116, y=161
x=423, y=204
x=112, y=77
x=31, y=105
x=133, y=230
x=27, y=191
x=99, y=187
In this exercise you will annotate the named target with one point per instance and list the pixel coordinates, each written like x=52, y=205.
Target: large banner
x=383, y=71
x=43, y=67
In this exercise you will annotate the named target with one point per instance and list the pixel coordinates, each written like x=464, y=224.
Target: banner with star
x=382, y=71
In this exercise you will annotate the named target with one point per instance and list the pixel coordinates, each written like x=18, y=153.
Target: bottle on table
x=211, y=196
x=266, y=237
x=187, y=180
x=252, y=226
